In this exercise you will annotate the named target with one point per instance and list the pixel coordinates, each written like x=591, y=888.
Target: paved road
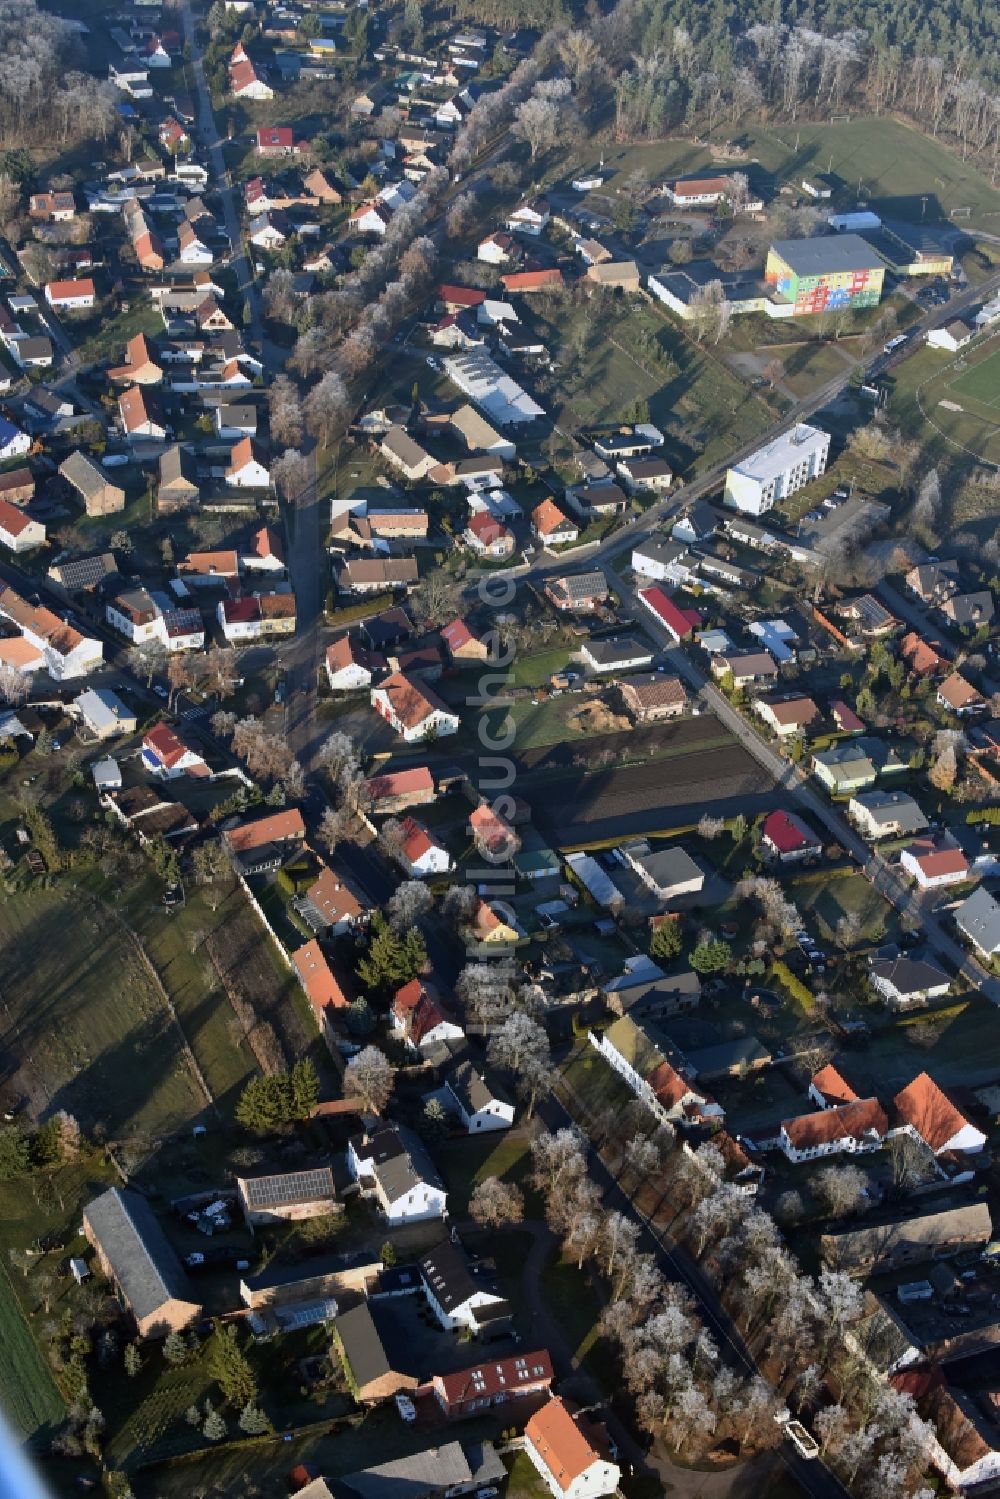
x=219, y=176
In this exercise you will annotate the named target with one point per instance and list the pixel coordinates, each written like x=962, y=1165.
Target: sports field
x=980, y=383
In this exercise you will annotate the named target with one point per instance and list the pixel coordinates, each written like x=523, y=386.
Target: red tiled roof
x=486, y=529
x=399, y=782
x=547, y=517
x=846, y=717
x=275, y=135
x=505, y=1376
x=925, y=1108
x=457, y=634
x=167, y=745
x=856, y=1120
x=418, y=1009
x=411, y=702
x=532, y=280
x=461, y=296
x=61, y=290
x=317, y=978
x=12, y=519
x=560, y=1443
x=936, y=861
x=834, y=1088
x=278, y=828
x=416, y=840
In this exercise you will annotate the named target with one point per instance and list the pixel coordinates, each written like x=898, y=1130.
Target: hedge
x=795, y=987
x=364, y=609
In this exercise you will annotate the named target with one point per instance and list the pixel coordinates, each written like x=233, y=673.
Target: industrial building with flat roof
x=777, y=470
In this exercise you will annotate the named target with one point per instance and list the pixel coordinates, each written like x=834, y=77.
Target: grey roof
x=472, y=1090
x=84, y=474
x=970, y=608
x=909, y=975
x=583, y=585
x=362, y=1345
x=448, y=1277
x=979, y=918
x=638, y=993
x=663, y=553
x=435, y=1470
x=84, y=572
x=892, y=809
x=968, y=1223
x=143, y=1261
x=399, y=1161
x=665, y=866
x=288, y=1188
x=828, y=255
x=619, y=648
x=712, y=1061
x=176, y=468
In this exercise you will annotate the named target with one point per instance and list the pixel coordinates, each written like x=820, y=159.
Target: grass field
x=29, y=1396
x=828, y=901
x=892, y=164
x=981, y=383
x=79, y=1003
x=464, y=1163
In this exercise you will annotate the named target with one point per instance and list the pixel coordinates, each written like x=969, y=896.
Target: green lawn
x=100, y=1040
x=464, y=1163
x=577, y=1307
x=535, y=670
x=105, y=337
x=597, y=1084
x=524, y=1481
x=828, y=900
x=981, y=383
x=27, y=1390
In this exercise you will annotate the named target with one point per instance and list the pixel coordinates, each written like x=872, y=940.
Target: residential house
x=934, y=863
x=978, y=919
x=134, y=614
x=617, y=654
x=551, y=526
x=787, y=717
x=829, y=1090
x=494, y=1382
x=651, y=696
x=530, y=217
x=931, y=1233
x=960, y=696
x=52, y=208
x=487, y=536
x=494, y=838
x=933, y=582
x=278, y=140
x=413, y=710
x=481, y=1106
x=644, y=992
x=850, y=1128
x=667, y=872
x=102, y=713
x=17, y=486
x=61, y=648
x=628, y=442
x=927, y=1114
x=420, y=1018
x=845, y=718
x=70, y=296
x=564, y=1452
x=655, y=1081
x=141, y=365
x=289, y=1197
x=788, y=838
x=663, y=561
x=844, y=769
x=239, y=618
x=399, y=449
x=265, y=553
x=885, y=814
x=679, y=623
x=527, y=282
x=699, y=523
x=444, y=1469
x=351, y=665
x=371, y=218
x=952, y=337
x=329, y=906
x=267, y=842
x=496, y=249
x=488, y=929
x=235, y=421
x=902, y=982
x=361, y=575
x=460, y=1295
x=595, y=501
x=247, y=466
x=920, y=656
x=969, y=611
x=370, y=1373
x=578, y=593
x=393, y=1168
x=141, y=415
x=13, y=442
x=165, y=754
x=245, y=82
x=870, y=616
x=18, y=532
x=420, y=854
x=321, y=988
x=645, y=475
x=209, y=569
x=134, y=1253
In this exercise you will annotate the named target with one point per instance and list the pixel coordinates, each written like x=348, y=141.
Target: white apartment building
x=777, y=470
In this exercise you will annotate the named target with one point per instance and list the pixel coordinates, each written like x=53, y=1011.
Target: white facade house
x=412, y=709
x=13, y=442
x=568, y=1463
x=18, y=532
x=481, y=1108
x=777, y=470
x=853, y=1128
x=393, y=1168
x=530, y=218
x=453, y=1293
x=663, y=561
x=246, y=467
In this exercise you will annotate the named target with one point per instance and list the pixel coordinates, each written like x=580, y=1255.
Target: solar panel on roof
x=296, y=1186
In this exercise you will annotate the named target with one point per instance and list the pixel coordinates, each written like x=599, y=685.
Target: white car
x=408, y=1410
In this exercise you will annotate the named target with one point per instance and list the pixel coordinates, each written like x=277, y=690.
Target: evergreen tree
x=304, y=1089
x=175, y=1350
x=666, y=940
x=214, y=1428
x=230, y=1368
x=253, y=1421
x=392, y=959
x=133, y=1360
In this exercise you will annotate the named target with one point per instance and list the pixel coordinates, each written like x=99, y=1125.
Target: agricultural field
x=30, y=1398
x=84, y=1025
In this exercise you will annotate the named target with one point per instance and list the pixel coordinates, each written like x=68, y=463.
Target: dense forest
x=43, y=98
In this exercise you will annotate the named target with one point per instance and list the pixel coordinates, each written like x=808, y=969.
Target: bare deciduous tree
x=496, y=1203
x=369, y=1078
